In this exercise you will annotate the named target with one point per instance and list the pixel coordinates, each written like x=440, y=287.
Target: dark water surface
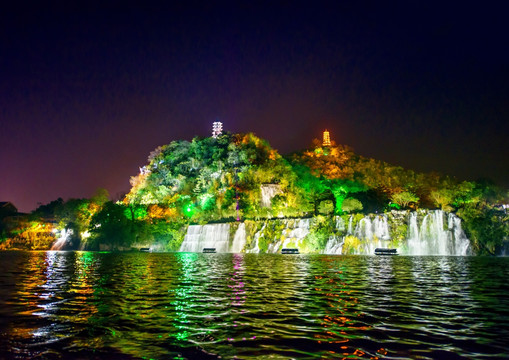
x=86, y=305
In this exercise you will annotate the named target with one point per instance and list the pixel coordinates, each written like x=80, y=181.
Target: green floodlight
x=394, y=206
x=189, y=210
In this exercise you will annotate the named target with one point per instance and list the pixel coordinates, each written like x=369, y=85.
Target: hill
x=240, y=177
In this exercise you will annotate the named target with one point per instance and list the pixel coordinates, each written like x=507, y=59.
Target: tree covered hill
x=222, y=179
x=241, y=177
x=211, y=179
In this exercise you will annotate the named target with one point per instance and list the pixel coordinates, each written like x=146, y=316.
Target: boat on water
x=290, y=251
x=209, y=250
x=385, y=251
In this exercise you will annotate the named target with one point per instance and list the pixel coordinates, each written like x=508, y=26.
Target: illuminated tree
x=112, y=226
x=404, y=198
x=351, y=205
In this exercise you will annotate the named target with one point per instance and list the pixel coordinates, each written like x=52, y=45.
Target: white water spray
x=199, y=237
x=63, y=237
x=239, y=240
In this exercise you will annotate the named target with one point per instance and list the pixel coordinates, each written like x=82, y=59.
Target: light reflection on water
x=148, y=305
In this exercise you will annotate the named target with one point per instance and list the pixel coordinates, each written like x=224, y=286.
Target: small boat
x=289, y=251
x=209, y=250
x=384, y=251
x=145, y=249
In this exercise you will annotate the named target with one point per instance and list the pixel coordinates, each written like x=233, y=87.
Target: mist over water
x=251, y=306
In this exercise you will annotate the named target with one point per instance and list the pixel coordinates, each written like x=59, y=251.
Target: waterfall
x=372, y=233
x=437, y=233
x=434, y=237
x=199, y=237
x=239, y=240
x=335, y=243
x=381, y=227
x=350, y=225
x=255, y=249
x=364, y=230
x=63, y=237
x=340, y=224
x=461, y=242
x=292, y=236
x=413, y=233
x=334, y=246
x=428, y=233
x=268, y=191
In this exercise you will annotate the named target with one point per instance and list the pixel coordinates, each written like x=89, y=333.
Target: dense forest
x=240, y=177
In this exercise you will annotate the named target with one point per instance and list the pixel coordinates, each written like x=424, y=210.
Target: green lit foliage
x=378, y=185
x=326, y=207
x=213, y=180
x=313, y=188
x=189, y=210
x=273, y=231
x=351, y=205
x=450, y=195
x=215, y=174
x=115, y=225
x=485, y=225
x=342, y=189
x=404, y=198
x=73, y=214
x=351, y=245
x=321, y=228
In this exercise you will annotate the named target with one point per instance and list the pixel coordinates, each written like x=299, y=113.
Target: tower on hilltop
x=326, y=139
x=217, y=129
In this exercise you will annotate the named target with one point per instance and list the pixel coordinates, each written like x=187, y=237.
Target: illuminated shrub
x=351, y=204
x=351, y=245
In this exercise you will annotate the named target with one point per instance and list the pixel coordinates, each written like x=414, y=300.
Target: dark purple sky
x=86, y=94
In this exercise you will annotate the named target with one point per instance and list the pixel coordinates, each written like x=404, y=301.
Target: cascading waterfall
x=350, y=226
x=372, y=233
x=428, y=233
x=294, y=233
x=433, y=236
x=239, y=240
x=334, y=245
x=381, y=227
x=461, y=242
x=413, y=231
x=255, y=249
x=199, y=237
x=340, y=223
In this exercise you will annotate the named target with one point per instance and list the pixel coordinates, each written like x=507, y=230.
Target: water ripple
x=66, y=305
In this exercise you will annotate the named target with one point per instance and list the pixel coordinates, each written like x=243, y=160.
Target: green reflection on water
x=182, y=296
x=248, y=305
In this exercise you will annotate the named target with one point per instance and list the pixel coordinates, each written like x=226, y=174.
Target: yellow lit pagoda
x=326, y=139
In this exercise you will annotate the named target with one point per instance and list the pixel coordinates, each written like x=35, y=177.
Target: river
x=92, y=305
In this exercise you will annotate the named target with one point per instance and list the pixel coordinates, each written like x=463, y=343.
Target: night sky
x=87, y=93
